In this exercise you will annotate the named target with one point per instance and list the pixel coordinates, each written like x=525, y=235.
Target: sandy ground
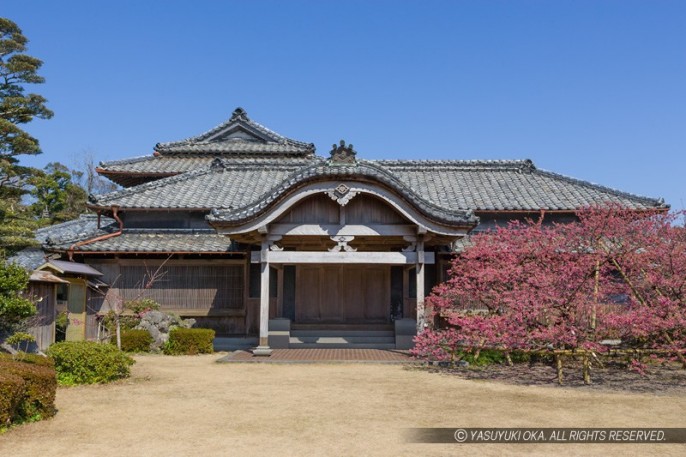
x=191, y=406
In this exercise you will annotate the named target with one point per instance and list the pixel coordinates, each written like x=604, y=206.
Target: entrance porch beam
x=304, y=257
x=342, y=230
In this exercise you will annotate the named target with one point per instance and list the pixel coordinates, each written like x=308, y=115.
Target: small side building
x=42, y=290
x=82, y=299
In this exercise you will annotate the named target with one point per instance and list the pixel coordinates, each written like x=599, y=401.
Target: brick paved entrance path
x=323, y=355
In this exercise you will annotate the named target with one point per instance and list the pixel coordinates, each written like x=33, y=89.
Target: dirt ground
x=192, y=406
x=657, y=380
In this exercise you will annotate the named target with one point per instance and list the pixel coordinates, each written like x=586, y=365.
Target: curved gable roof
x=360, y=171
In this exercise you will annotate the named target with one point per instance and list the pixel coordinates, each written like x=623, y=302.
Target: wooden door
x=377, y=293
x=307, y=293
x=76, y=310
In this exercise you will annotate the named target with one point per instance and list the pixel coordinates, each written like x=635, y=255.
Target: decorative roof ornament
x=342, y=154
x=239, y=113
x=217, y=164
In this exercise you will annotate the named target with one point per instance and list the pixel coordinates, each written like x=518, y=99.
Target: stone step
x=349, y=326
x=342, y=333
x=234, y=343
x=342, y=345
x=318, y=339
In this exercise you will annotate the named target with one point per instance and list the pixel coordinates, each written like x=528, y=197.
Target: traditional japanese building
x=259, y=236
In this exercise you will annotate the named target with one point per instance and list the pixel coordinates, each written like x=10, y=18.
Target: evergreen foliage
x=14, y=308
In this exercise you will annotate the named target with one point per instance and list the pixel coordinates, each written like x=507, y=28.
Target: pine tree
x=17, y=107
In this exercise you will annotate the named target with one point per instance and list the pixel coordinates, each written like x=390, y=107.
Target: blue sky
x=591, y=89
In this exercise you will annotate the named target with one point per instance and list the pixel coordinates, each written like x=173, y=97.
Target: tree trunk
x=586, y=369
x=558, y=367
x=643, y=302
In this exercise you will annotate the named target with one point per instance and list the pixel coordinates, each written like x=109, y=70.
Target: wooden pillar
x=263, y=347
x=421, y=318
x=279, y=291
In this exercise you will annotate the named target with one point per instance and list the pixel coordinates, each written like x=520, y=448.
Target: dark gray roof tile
x=159, y=241
x=29, y=258
x=71, y=231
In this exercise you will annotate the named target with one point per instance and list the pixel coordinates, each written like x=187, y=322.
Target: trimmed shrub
x=11, y=393
x=135, y=341
x=36, y=398
x=190, y=341
x=35, y=359
x=88, y=362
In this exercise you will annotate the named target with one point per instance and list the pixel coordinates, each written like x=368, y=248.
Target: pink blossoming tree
x=615, y=274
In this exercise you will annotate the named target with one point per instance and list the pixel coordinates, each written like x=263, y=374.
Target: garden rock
x=159, y=324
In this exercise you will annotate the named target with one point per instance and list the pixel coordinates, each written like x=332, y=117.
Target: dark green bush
x=35, y=398
x=520, y=357
x=135, y=341
x=486, y=357
x=87, y=362
x=190, y=341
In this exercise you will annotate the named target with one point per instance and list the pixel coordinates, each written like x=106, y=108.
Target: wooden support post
x=263, y=347
x=279, y=291
x=421, y=318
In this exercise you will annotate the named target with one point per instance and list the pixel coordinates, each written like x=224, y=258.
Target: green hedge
x=27, y=389
x=88, y=362
x=135, y=341
x=190, y=341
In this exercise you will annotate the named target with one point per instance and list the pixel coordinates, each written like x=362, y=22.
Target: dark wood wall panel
x=342, y=293
x=186, y=286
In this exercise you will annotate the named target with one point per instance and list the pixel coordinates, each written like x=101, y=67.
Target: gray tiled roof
x=159, y=241
x=86, y=226
x=506, y=186
x=206, y=188
x=125, y=171
x=238, y=135
x=63, y=235
x=450, y=186
x=29, y=258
